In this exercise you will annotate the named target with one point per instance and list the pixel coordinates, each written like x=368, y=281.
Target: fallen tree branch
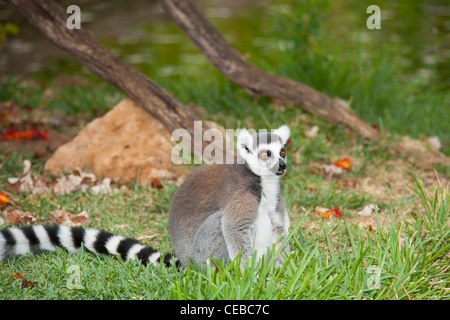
x=256, y=81
x=50, y=18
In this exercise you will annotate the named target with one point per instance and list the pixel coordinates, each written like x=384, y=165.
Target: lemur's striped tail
x=37, y=239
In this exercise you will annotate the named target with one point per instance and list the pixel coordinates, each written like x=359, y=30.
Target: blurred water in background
x=140, y=33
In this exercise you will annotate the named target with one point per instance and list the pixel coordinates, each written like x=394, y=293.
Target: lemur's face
x=273, y=158
x=265, y=153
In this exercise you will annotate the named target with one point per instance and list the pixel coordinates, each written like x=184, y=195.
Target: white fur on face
x=250, y=152
x=245, y=144
x=269, y=166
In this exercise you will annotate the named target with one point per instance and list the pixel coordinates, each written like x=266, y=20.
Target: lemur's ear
x=284, y=133
x=244, y=142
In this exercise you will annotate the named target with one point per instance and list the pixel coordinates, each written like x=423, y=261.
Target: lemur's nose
x=282, y=164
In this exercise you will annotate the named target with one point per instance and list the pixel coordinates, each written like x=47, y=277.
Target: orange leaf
x=335, y=212
x=17, y=275
x=156, y=183
x=17, y=135
x=323, y=214
x=343, y=163
x=4, y=198
x=43, y=135
x=25, y=135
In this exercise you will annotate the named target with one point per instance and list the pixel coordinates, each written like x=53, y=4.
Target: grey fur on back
x=196, y=213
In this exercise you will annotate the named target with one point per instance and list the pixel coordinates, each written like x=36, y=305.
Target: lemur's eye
x=282, y=153
x=266, y=154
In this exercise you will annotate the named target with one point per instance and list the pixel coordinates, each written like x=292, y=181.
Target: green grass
x=406, y=249
x=88, y=98
x=336, y=261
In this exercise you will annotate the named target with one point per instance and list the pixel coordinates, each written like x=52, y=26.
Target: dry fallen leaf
x=327, y=214
x=104, y=187
x=435, y=142
x=25, y=135
x=17, y=275
x=28, y=284
x=147, y=237
x=62, y=217
x=367, y=210
x=335, y=212
x=81, y=218
x=85, y=175
x=67, y=184
x=16, y=216
x=156, y=183
x=344, y=163
x=337, y=168
x=78, y=180
x=332, y=170
x=4, y=198
x=26, y=182
x=313, y=132
x=25, y=283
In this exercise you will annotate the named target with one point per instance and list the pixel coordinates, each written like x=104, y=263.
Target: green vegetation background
x=306, y=42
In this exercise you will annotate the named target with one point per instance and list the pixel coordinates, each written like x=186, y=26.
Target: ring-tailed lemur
x=219, y=211
x=37, y=239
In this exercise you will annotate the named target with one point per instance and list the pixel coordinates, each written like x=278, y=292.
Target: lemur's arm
x=237, y=219
x=280, y=222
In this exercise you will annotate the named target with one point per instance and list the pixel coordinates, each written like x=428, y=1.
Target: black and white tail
x=36, y=239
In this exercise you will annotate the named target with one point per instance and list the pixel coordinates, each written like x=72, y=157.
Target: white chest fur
x=262, y=234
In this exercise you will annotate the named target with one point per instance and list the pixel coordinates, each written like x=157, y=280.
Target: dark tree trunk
x=255, y=81
x=50, y=18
